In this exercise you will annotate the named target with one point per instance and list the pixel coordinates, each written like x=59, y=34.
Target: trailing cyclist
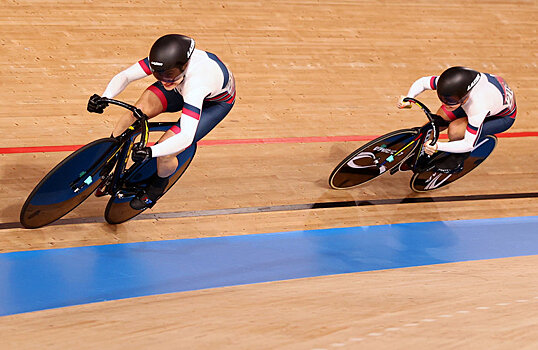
x=474, y=105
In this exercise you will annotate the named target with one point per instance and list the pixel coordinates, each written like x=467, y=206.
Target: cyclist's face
x=451, y=107
x=170, y=78
x=456, y=106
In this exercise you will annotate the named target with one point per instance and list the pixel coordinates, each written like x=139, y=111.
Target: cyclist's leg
x=155, y=100
x=151, y=102
x=171, y=101
x=495, y=125
x=212, y=114
x=456, y=131
x=455, y=118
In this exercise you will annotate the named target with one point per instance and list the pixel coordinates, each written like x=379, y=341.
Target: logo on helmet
x=474, y=82
x=191, y=49
x=156, y=63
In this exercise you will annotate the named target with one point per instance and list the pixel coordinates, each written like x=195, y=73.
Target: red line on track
x=71, y=148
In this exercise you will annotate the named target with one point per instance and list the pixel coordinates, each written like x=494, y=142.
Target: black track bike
x=393, y=151
x=103, y=163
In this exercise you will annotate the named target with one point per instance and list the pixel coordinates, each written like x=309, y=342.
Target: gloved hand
x=140, y=154
x=401, y=104
x=429, y=148
x=96, y=105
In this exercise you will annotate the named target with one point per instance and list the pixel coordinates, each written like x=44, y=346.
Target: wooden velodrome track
x=304, y=69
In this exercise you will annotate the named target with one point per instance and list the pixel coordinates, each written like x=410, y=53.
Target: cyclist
x=189, y=80
x=474, y=105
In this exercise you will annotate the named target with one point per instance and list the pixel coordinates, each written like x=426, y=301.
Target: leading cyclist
x=189, y=80
x=474, y=105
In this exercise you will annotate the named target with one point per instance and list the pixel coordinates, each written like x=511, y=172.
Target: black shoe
x=451, y=164
x=146, y=199
x=142, y=201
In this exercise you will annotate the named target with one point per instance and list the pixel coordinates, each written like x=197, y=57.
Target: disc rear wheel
x=119, y=210
x=433, y=179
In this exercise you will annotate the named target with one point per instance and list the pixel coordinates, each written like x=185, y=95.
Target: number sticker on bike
x=365, y=160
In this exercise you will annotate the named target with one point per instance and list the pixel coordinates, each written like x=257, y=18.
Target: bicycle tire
x=345, y=176
x=54, y=196
x=433, y=180
x=118, y=209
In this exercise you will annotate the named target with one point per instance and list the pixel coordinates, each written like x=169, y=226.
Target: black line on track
x=291, y=207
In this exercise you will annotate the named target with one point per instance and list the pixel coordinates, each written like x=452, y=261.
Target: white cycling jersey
x=490, y=97
x=206, y=78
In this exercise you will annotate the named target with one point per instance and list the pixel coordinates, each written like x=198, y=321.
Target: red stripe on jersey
x=432, y=82
x=144, y=67
x=160, y=95
x=449, y=114
x=217, y=96
x=472, y=131
x=190, y=113
x=175, y=129
x=232, y=99
x=508, y=112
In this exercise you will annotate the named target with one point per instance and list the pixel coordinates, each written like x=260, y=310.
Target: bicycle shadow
x=18, y=180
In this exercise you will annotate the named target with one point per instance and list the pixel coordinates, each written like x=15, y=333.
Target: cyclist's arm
x=190, y=118
x=460, y=146
x=469, y=140
x=424, y=83
x=121, y=80
x=184, y=134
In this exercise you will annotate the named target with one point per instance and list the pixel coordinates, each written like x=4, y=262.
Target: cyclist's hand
x=96, y=105
x=401, y=104
x=429, y=148
x=140, y=154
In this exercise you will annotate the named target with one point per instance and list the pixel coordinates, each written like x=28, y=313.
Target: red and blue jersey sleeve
x=433, y=82
x=144, y=63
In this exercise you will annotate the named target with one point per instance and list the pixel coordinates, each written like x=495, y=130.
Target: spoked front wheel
x=373, y=159
x=68, y=184
x=433, y=179
x=119, y=210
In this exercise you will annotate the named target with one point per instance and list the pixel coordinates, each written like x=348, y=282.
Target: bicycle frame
x=140, y=127
x=425, y=132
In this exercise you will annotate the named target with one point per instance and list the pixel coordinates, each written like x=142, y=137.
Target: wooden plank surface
x=303, y=69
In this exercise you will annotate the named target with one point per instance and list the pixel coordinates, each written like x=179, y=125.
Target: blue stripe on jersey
x=493, y=80
x=191, y=108
x=472, y=128
x=433, y=82
x=222, y=67
x=460, y=112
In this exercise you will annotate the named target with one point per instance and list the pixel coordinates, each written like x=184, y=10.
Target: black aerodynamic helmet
x=170, y=51
x=455, y=84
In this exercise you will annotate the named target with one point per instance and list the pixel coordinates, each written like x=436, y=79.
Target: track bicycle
x=104, y=164
x=394, y=151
